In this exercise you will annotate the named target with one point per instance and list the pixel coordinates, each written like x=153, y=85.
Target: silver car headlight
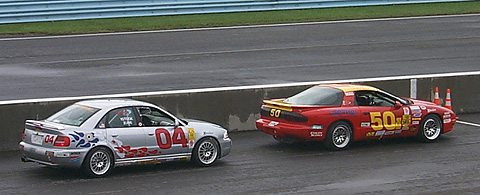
x=225, y=135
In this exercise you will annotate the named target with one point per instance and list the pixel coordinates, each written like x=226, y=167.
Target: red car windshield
x=318, y=96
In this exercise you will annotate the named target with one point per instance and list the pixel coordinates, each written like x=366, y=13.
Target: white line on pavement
x=468, y=123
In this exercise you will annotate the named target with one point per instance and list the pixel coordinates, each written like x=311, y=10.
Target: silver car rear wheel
x=98, y=162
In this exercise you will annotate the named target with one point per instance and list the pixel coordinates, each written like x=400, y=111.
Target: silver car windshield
x=317, y=95
x=73, y=115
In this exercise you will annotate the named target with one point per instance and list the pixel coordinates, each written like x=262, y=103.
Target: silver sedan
x=97, y=135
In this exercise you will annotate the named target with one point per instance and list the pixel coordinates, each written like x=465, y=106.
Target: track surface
x=187, y=59
x=260, y=165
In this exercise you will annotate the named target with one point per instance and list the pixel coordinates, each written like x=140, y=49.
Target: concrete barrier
x=236, y=108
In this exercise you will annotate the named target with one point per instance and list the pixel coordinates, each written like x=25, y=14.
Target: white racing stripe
x=236, y=27
x=468, y=123
x=6, y=102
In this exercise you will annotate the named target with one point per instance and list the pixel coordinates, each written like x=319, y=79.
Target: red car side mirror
x=398, y=105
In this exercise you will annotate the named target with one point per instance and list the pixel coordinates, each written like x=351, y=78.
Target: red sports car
x=338, y=114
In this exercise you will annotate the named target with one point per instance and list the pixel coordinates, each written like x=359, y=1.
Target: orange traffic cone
x=448, y=101
x=437, y=99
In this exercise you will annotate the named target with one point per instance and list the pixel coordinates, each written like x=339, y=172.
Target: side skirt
x=154, y=160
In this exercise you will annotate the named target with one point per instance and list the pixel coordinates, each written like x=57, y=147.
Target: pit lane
x=260, y=165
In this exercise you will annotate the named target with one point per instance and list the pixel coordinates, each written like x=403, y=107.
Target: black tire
x=430, y=128
x=98, y=162
x=206, y=152
x=339, y=136
x=284, y=140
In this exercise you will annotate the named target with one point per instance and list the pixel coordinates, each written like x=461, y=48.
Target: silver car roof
x=112, y=103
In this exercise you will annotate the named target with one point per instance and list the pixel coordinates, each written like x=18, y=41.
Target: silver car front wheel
x=206, y=152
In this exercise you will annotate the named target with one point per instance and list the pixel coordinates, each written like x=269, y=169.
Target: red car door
x=381, y=115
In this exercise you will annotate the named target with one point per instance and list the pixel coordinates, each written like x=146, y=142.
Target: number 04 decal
x=387, y=121
x=177, y=138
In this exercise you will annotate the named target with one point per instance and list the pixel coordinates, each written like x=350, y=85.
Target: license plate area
x=37, y=139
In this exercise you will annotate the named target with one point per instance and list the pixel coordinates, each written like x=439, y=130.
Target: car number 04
x=49, y=139
x=177, y=138
x=389, y=121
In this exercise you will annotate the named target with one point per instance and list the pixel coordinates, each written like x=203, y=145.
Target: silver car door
x=164, y=136
x=124, y=133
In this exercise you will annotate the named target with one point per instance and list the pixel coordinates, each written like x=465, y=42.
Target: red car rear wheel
x=339, y=136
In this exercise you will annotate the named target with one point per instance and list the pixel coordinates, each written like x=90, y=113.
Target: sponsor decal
x=415, y=109
x=129, y=152
x=191, y=137
x=365, y=124
x=343, y=112
x=83, y=140
x=347, y=102
x=316, y=134
x=432, y=110
x=417, y=115
x=406, y=111
x=416, y=122
x=406, y=120
x=398, y=132
x=49, y=155
x=349, y=93
x=417, y=119
x=74, y=158
x=447, y=120
x=380, y=133
x=423, y=107
x=38, y=128
x=413, y=129
x=446, y=115
x=389, y=132
x=273, y=123
x=370, y=134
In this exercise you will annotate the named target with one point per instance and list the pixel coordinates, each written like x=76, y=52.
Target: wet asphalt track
x=187, y=59
x=260, y=165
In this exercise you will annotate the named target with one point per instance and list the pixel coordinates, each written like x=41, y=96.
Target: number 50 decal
x=387, y=121
x=275, y=112
x=178, y=138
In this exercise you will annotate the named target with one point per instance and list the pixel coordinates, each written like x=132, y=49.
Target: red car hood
x=422, y=102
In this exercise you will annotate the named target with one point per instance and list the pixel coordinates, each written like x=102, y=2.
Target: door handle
x=151, y=134
x=114, y=135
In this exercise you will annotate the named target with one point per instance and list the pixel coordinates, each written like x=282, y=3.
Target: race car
x=338, y=114
x=97, y=135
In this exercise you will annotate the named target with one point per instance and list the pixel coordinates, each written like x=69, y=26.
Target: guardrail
x=20, y=11
x=237, y=108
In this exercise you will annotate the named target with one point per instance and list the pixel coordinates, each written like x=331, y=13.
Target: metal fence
x=19, y=11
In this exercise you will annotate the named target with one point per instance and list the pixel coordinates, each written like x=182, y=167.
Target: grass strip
x=236, y=19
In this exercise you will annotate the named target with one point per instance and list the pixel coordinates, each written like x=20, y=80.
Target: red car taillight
x=62, y=141
x=23, y=134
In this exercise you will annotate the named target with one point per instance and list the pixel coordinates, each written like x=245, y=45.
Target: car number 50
x=275, y=113
x=389, y=121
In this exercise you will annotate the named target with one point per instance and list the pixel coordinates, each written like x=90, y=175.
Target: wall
x=237, y=108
